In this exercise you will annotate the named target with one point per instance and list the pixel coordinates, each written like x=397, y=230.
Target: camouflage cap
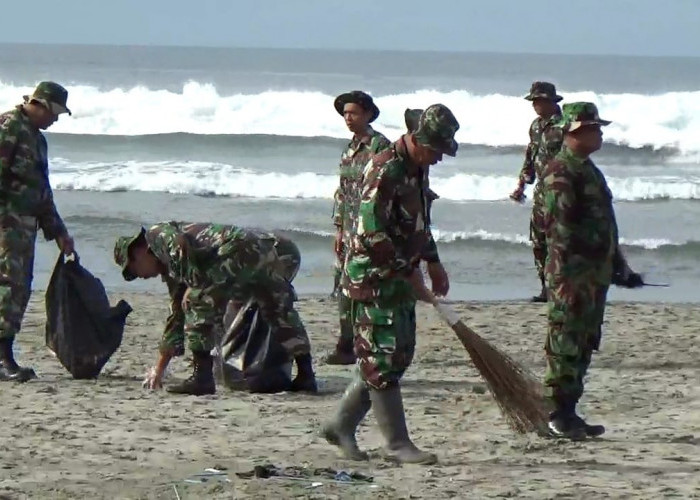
x=412, y=117
x=575, y=115
x=356, y=97
x=121, y=253
x=543, y=90
x=51, y=95
x=437, y=128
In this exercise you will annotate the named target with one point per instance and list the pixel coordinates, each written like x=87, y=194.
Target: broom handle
x=445, y=312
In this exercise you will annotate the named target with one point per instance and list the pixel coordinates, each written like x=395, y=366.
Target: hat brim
x=126, y=274
x=448, y=148
x=54, y=107
x=349, y=98
x=532, y=97
x=577, y=125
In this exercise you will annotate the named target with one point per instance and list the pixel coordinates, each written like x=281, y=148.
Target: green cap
x=121, y=253
x=575, y=115
x=51, y=95
x=437, y=128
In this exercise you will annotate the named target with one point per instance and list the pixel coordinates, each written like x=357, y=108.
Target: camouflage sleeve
x=8, y=145
x=173, y=339
x=379, y=143
x=560, y=216
x=527, y=173
x=430, y=254
x=376, y=205
x=49, y=220
x=338, y=206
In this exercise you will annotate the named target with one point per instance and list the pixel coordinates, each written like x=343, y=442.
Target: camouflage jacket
x=347, y=197
x=392, y=229
x=24, y=174
x=579, y=221
x=205, y=257
x=545, y=143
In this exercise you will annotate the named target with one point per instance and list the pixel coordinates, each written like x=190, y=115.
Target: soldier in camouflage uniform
x=545, y=143
x=583, y=259
x=26, y=205
x=358, y=110
x=382, y=278
x=205, y=266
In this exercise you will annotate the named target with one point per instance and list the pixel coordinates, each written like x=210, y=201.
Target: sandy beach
x=110, y=438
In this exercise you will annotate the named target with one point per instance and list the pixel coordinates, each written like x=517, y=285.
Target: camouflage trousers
x=575, y=316
x=537, y=234
x=17, y=240
x=269, y=285
x=385, y=341
x=344, y=311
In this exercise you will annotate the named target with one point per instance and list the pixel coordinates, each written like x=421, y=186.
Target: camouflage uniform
x=545, y=142
x=347, y=200
x=391, y=238
x=389, y=242
x=210, y=264
x=582, y=254
x=26, y=203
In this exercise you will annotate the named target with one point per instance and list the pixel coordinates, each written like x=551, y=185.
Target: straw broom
x=516, y=391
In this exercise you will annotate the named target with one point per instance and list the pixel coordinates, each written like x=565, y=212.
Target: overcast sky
x=625, y=27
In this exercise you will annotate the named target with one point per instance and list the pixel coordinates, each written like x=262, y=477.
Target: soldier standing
x=583, y=259
x=26, y=205
x=205, y=266
x=383, y=280
x=545, y=143
x=358, y=110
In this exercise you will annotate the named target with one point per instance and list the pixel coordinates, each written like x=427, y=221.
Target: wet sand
x=110, y=438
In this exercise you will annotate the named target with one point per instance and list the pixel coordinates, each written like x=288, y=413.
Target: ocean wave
x=221, y=179
x=482, y=237
x=669, y=120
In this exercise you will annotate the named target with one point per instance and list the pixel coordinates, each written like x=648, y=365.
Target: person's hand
x=154, y=379
x=66, y=244
x=418, y=284
x=156, y=374
x=438, y=278
x=518, y=195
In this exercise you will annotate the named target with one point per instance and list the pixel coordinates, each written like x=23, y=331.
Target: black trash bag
x=262, y=358
x=82, y=329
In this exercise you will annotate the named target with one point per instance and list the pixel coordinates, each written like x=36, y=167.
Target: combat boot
x=340, y=431
x=564, y=423
x=201, y=381
x=344, y=353
x=592, y=430
x=388, y=409
x=9, y=369
x=542, y=297
x=305, y=381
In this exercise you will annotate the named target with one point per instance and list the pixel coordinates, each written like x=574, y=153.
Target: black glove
x=634, y=280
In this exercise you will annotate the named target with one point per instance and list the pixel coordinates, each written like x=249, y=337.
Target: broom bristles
x=517, y=392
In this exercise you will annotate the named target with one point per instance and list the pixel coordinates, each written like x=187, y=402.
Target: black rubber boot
x=340, y=431
x=201, y=382
x=542, y=297
x=305, y=381
x=344, y=353
x=563, y=421
x=388, y=409
x=9, y=369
